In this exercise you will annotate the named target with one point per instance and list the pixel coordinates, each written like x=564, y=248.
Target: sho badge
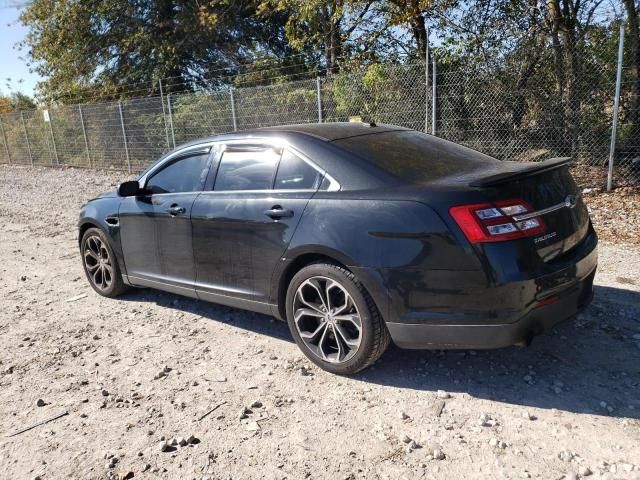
x=544, y=237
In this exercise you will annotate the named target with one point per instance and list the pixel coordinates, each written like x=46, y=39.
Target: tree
x=334, y=27
x=16, y=102
x=125, y=46
x=411, y=14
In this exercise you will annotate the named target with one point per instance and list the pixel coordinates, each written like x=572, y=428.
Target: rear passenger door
x=243, y=226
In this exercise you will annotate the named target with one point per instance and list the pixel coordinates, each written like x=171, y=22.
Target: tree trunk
x=333, y=41
x=567, y=66
x=634, y=70
x=419, y=28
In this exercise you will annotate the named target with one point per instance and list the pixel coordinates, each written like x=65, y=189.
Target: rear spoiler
x=518, y=170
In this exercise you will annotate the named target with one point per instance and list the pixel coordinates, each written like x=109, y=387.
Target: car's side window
x=296, y=174
x=184, y=175
x=247, y=170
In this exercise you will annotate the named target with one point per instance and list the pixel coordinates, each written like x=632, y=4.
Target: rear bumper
x=517, y=327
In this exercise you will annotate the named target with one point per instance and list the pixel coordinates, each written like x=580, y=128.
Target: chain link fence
x=501, y=115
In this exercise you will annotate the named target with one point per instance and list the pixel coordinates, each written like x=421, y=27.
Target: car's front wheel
x=100, y=264
x=334, y=320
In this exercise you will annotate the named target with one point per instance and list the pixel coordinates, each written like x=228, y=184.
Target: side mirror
x=129, y=189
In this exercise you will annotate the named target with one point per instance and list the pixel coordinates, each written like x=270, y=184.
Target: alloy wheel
x=327, y=319
x=97, y=262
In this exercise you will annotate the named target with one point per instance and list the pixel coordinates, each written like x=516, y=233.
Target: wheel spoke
x=344, y=337
x=311, y=335
x=347, y=302
x=352, y=318
x=92, y=268
x=97, y=275
x=300, y=296
x=339, y=355
x=321, y=343
x=103, y=281
x=315, y=284
x=108, y=273
x=308, y=312
x=94, y=245
x=89, y=253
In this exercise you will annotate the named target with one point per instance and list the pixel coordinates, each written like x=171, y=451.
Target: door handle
x=176, y=210
x=277, y=211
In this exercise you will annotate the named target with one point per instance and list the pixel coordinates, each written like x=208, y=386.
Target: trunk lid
x=547, y=187
x=552, y=193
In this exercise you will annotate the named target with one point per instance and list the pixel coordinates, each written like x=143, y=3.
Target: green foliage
x=78, y=45
x=16, y=102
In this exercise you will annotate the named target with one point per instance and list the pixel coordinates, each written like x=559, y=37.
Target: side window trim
x=244, y=146
x=176, y=158
x=317, y=183
x=184, y=152
x=334, y=185
x=263, y=144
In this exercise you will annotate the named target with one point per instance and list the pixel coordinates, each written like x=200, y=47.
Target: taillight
x=494, y=222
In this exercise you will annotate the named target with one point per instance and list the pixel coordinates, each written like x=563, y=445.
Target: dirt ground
x=137, y=372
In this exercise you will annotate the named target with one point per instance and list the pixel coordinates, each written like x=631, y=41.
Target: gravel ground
x=615, y=214
x=137, y=372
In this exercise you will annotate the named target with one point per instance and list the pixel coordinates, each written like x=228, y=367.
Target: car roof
x=320, y=131
x=330, y=131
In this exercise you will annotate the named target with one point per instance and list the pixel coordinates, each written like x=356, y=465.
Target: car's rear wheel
x=334, y=320
x=100, y=264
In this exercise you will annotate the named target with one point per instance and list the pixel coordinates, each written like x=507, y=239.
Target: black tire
x=109, y=284
x=373, y=335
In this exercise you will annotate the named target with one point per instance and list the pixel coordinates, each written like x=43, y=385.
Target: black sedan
x=356, y=234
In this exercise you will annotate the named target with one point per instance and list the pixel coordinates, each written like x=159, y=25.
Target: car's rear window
x=414, y=156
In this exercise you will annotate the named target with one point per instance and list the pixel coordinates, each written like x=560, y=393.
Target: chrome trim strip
x=222, y=295
x=566, y=204
x=269, y=192
x=145, y=279
x=195, y=288
x=211, y=288
x=270, y=142
x=277, y=142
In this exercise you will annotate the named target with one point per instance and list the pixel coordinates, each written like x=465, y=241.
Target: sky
x=11, y=65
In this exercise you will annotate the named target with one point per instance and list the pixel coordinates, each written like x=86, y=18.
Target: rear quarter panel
x=378, y=240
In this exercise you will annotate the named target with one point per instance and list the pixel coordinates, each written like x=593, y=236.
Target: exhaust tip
x=526, y=341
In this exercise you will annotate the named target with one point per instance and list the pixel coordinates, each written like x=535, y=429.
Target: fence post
x=233, y=109
x=173, y=135
x=164, y=115
x=6, y=145
x=26, y=134
x=318, y=91
x=53, y=138
x=426, y=83
x=616, y=107
x=124, y=137
x=84, y=134
x=433, y=99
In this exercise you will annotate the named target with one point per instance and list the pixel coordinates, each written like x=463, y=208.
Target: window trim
x=251, y=147
x=193, y=150
x=264, y=143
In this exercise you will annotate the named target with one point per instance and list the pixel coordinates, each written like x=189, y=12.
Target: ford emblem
x=571, y=201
